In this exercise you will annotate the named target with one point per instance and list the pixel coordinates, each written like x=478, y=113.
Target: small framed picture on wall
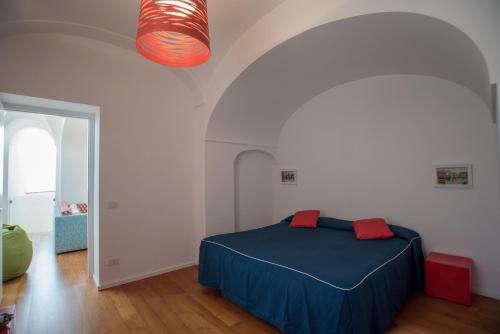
x=453, y=176
x=288, y=176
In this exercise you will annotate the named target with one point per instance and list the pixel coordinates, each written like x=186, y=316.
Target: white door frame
x=33, y=105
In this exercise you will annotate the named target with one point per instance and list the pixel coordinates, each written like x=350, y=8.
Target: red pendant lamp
x=174, y=32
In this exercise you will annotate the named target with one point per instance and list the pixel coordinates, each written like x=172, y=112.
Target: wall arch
x=295, y=16
x=255, y=106
x=13, y=124
x=39, y=169
x=265, y=152
x=32, y=121
x=220, y=160
x=30, y=177
x=253, y=109
x=253, y=184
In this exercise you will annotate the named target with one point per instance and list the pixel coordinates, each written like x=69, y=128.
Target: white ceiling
x=115, y=21
x=256, y=105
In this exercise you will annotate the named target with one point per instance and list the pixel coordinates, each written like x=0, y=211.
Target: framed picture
x=453, y=176
x=288, y=176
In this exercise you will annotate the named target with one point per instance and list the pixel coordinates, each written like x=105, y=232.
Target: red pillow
x=306, y=219
x=373, y=228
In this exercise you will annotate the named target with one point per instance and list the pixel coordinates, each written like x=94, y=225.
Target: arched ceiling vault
x=255, y=106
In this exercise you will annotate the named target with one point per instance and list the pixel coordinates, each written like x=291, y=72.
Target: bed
x=319, y=280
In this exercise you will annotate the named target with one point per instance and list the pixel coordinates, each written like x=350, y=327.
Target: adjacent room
x=45, y=167
x=265, y=166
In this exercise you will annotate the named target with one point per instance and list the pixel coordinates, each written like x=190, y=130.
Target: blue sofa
x=70, y=232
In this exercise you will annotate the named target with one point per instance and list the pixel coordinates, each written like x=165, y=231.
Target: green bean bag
x=17, y=252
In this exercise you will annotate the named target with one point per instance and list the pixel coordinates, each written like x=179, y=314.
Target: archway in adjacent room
x=32, y=187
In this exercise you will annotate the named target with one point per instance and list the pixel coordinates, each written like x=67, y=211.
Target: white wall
x=56, y=125
x=253, y=190
x=34, y=213
x=367, y=148
x=74, y=161
x=220, y=184
x=15, y=179
x=148, y=142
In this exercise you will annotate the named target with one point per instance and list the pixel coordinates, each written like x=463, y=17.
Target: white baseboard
x=486, y=293
x=131, y=279
x=139, y=277
x=96, y=281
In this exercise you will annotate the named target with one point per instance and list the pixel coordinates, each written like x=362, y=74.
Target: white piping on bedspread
x=313, y=277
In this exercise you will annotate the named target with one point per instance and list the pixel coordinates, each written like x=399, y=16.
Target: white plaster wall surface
x=253, y=190
x=367, y=149
x=74, y=161
x=147, y=143
x=220, y=184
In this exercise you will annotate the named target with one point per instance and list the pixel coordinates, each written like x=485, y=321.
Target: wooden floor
x=57, y=297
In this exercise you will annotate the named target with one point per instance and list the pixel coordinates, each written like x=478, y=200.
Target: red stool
x=448, y=277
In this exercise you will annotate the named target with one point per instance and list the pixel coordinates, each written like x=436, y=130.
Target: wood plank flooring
x=57, y=297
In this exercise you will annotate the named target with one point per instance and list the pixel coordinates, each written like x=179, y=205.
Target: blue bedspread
x=319, y=280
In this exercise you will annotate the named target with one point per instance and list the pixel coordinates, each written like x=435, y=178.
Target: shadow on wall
x=256, y=105
x=253, y=180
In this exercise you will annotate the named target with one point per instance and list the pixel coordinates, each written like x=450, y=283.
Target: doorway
x=50, y=180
